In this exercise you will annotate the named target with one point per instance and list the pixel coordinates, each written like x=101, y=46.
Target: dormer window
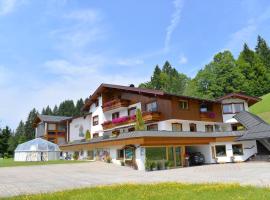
x=238, y=107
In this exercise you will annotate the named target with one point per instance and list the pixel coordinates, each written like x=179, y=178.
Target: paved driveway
x=48, y=178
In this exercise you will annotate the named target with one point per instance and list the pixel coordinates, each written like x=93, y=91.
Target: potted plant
x=108, y=159
x=232, y=159
x=122, y=163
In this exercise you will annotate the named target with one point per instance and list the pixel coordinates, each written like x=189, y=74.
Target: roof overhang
x=250, y=99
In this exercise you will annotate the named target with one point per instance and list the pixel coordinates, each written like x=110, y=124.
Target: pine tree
x=155, y=79
x=262, y=49
x=29, y=129
x=55, y=110
x=5, y=134
x=67, y=108
x=79, y=106
x=140, y=126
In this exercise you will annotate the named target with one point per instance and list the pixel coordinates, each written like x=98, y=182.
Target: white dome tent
x=37, y=150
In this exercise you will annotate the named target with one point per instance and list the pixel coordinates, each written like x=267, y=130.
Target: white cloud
x=87, y=15
x=175, y=18
x=129, y=62
x=183, y=60
x=8, y=6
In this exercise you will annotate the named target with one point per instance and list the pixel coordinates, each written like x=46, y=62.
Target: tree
x=140, y=126
x=256, y=76
x=168, y=79
x=263, y=51
x=67, y=108
x=79, y=106
x=5, y=134
x=29, y=129
x=55, y=110
x=221, y=76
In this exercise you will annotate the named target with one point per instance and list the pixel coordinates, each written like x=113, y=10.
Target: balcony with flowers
x=114, y=104
x=147, y=117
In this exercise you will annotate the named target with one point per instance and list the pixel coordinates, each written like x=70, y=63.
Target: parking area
x=49, y=178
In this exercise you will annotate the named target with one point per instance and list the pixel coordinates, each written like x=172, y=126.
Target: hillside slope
x=262, y=108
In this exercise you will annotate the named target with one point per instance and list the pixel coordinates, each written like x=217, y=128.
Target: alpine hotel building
x=175, y=126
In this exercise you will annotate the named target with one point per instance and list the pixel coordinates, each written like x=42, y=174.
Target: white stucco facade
x=78, y=127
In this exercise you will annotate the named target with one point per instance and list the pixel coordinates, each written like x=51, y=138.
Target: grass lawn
x=164, y=191
x=11, y=163
x=262, y=108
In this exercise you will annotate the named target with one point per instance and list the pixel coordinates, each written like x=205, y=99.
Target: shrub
x=153, y=165
x=166, y=164
x=148, y=165
x=122, y=163
x=87, y=135
x=108, y=159
x=76, y=155
x=159, y=165
x=171, y=164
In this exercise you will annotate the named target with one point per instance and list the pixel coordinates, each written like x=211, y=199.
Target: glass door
x=178, y=156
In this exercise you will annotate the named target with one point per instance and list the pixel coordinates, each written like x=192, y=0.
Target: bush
x=159, y=165
x=148, y=165
x=153, y=165
x=122, y=163
x=171, y=164
x=76, y=155
x=6, y=156
x=166, y=164
x=108, y=159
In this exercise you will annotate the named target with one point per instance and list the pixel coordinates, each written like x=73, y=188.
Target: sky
x=54, y=50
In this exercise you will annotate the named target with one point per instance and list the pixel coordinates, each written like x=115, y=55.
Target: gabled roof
x=145, y=91
x=256, y=127
x=250, y=99
x=50, y=118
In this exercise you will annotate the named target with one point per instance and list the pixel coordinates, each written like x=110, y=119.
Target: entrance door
x=174, y=156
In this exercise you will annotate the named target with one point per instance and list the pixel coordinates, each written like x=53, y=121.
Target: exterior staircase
x=259, y=158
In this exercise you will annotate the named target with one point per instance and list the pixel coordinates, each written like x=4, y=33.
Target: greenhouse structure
x=37, y=150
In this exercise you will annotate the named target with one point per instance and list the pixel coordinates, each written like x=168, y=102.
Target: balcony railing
x=207, y=116
x=116, y=103
x=147, y=117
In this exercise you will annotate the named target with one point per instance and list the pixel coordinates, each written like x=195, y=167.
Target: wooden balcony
x=208, y=116
x=147, y=117
x=114, y=104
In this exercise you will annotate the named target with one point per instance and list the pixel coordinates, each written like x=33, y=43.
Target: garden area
x=168, y=191
x=9, y=162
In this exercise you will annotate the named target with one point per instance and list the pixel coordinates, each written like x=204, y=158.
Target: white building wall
x=76, y=124
x=249, y=149
x=97, y=111
x=167, y=125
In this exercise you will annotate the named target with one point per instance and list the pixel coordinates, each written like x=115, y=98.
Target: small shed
x=37, y=150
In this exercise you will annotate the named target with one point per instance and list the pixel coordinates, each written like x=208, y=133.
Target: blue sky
x=54, y=50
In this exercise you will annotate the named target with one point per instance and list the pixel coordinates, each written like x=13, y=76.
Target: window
x=115, y=115
x=51, y=127
x=120, y=154
x=129, y=153
x=204, y=107
x=193, y=127
x=220, y=150
x=209, y=128
x=237, y=149
x=95, y=135
x=97, y=103
x=227, y=108
x=95, y=120
x=151, y=107
x=218, y=128
x=183, y=104
x=155, y=153
x=132, y=111
x=131, y=129
x=176, y=127
x=152, y=127
x=237, y=127
x=238, y=107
